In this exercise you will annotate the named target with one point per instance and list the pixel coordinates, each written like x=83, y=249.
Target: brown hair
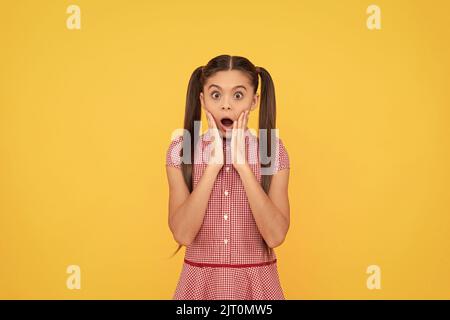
x=267, y=109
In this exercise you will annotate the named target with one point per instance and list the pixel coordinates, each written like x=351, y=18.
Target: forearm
x=271, y=223
x=188, y=217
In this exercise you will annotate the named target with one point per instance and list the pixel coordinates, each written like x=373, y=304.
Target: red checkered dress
x=228, y=258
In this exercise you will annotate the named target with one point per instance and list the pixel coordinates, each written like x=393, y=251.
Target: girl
x=228, y=206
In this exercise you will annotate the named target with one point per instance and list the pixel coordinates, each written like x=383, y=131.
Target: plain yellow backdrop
x=86, y=117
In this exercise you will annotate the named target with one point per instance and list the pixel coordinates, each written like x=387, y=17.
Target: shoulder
x=277, y=155
x=173, y=153
x=282, y=156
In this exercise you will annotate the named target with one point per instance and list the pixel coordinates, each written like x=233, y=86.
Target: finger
x=242, y=127
x=213, y=122
x=208, y=116
x=233, y=139
x=238, y=129
x=211, y=119
x=215, y=130
x=239, y=124
x=234, y=129
x=244, y=133
x=207, y=119
x=246, y=119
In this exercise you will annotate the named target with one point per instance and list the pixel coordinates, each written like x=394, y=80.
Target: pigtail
x=192, y=113
x=267, y=118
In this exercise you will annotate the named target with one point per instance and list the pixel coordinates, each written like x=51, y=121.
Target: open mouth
x=227, y=122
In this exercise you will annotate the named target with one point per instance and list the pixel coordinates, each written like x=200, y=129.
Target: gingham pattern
x=249, y=283
x=229, y=234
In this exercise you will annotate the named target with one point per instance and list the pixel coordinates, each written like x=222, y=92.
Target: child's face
x=226, y=95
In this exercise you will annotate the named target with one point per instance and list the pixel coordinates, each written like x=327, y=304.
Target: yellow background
x=86, y=117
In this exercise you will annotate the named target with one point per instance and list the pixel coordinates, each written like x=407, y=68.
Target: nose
x=226, y=103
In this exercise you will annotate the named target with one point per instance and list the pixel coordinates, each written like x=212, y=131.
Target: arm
x=271, y=212
x=187, y=210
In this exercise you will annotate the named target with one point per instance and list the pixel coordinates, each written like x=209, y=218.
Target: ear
x=202, y=100
x=255, y=101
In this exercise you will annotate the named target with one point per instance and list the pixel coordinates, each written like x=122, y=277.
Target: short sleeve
x=282, y=159
x=173, y=157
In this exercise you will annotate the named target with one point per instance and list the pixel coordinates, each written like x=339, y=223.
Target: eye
x=239, y=95
x=215, y=94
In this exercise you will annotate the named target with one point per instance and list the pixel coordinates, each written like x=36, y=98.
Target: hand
x=216, y=159
x=238, y=148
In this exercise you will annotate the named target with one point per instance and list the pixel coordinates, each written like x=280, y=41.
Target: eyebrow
x=215, y=85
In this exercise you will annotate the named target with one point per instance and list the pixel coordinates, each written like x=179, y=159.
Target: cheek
x=215, y=116
x=244, y=104
x=212, y=103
